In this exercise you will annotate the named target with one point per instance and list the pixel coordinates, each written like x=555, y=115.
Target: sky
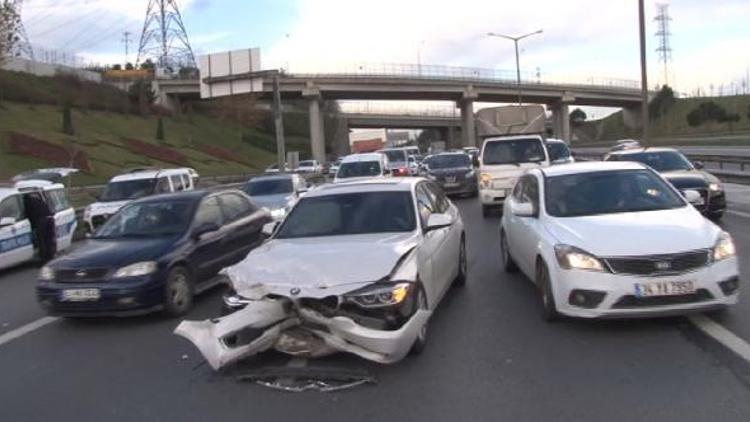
x=582, y=39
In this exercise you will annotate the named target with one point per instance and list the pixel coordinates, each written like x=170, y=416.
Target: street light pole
x=518, y=59
x=644, y=72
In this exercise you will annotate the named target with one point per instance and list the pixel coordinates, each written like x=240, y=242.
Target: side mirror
x=693, y=197
x=475, y=161
x=7, y=221
x=522, y=209
x=303, y=190
x=438, y=221
x=387, y=172
x=269, y=229
x=698, y=165
x=203, y=229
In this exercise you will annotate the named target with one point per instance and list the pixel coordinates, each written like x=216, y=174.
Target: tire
x=178, y=294
x=463, y=267
x=421, y=341
x=549, y=310
x=509, y=265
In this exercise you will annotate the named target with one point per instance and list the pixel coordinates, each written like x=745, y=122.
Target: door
x=449, y=249
x=210, y=250
x=243, y=223
x=513, y=225
x=428, y=254
x=527, y=228
x=65, y=217
x=16, y=244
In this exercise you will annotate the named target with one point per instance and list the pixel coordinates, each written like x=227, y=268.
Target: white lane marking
x=722, y=335
x=738, y=213
x=26, y=329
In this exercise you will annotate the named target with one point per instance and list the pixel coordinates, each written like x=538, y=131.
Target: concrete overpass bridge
x=463, y=86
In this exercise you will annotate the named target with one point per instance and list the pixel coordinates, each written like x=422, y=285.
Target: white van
x=17, y=242
x=502, y=160
x=362, y=166
x=135, y=184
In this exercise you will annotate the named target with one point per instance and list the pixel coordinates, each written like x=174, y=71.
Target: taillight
x=401, y=172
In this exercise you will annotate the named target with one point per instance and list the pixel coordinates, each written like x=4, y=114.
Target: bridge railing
x=472, y=74
x=418, y=110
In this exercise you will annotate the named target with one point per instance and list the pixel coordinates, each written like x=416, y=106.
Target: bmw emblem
x=81, y=273
x=295, y=291
x=663, y=265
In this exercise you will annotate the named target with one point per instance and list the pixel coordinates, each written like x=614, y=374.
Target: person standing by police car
x=42, y=221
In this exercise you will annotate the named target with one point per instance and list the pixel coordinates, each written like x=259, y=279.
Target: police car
x=134, y=184
x=17, y=242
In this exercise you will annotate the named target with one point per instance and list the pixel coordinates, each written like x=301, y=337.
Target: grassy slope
x=45, y=122
x=674, y=123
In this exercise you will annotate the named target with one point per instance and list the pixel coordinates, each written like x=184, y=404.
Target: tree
x=67, y=119
x=577, y=117
x=117, y=67
x=148, y=65
x=662, y=102
x=160, y=129
x=129, y=66
x=142, y=94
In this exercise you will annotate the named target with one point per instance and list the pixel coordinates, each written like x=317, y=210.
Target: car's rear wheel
x=463, y=265
x=421, y=341
x=549, y=310
x=509, y=265
x=178, y=297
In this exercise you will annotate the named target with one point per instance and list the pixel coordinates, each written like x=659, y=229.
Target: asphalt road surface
x=489, y=357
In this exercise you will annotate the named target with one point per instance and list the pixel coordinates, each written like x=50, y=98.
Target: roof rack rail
x=140, y=169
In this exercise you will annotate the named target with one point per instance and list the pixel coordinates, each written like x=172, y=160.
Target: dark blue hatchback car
x=154, y=254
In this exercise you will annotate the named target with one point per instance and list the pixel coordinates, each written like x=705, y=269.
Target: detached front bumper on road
x=283, y=325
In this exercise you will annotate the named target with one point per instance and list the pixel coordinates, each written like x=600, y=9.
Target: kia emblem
x=663, y=265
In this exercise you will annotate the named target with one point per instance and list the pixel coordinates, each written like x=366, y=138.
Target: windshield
x=397, y=155
x=449, y=161
x=132, y=189
x=359, y=169
x=151, y=219
x=608, y=192
x=558, y=151
x=513, y=152
x=659, y=161
x=350, y=214
x=306, y=163
x=269, y=187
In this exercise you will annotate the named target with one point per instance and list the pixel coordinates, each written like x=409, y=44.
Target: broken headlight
x=380, y=295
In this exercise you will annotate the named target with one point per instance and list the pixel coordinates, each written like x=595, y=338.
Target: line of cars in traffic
x=611, y=239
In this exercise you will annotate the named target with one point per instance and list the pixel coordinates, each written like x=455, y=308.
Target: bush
x=709, y=112
x=158, y=152
x=160, y=129
x=67, y=120
x=29, y=146
x=662, y=102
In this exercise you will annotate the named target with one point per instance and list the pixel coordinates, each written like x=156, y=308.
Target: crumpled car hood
x=318, y=267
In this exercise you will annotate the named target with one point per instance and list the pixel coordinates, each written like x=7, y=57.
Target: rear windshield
x=660, y=161
x=269, y=187
x=449, y=161
x=515, y=151
x=395, y=155
x=558, y=151
x=359, y=169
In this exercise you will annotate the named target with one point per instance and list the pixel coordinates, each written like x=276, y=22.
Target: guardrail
x=741, y=177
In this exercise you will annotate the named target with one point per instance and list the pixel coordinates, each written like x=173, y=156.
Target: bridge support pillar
x=631, y=117
x=468, y=127
x=317, y=136
x=561, y=121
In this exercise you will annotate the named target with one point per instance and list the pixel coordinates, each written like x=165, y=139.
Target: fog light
x=126, y=301
x=586, y=298
x=730, y=287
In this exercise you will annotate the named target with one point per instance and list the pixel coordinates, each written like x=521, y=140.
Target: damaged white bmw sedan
x=356, y=267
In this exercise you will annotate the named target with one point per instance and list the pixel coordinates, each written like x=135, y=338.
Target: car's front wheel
x=549, y=310
x=509, y=265
x=178, y=297
x=421, y=341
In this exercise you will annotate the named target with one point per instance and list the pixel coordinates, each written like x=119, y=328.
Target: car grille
x=81, y=275
x=701, y=295
x=660, y=264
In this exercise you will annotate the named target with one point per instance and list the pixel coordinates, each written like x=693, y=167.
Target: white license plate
x=664, y=288
x=81, y=295
x=452, y=185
